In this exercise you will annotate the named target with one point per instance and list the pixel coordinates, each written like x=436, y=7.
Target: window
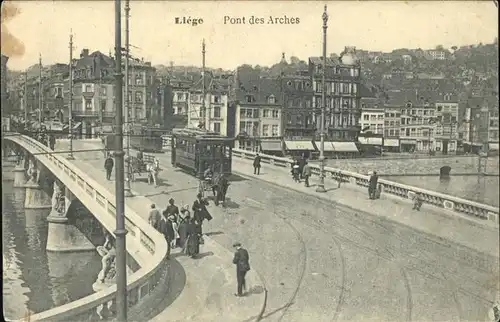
x=180, y=96
x=217, y=112
x=88, y=88
x=102, y=91
x=366, y=117
x=271, y=99
x=249, y=113
x=217, y=127
x=274, y=131
x=265, y=113
x=179, y=110
x=275, y=114
x=103, y=105
x=138, y=97
x=265, y=130
x=249, y=98
x=242, y=126
x=59, y=92
x=380, y=117
x=243, y=113
x=255, y=113
x=391, y=123
x=386, y=123
x=216, y=98
x=88, y=105
x=373, y=117
x=439, y=108
x=138, y=79
x=396, y=132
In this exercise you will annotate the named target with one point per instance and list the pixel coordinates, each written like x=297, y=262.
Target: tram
x=194, y=150
x=146, y=139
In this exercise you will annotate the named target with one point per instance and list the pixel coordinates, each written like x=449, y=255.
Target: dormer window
x=408, y=105
x=255, y=88
x=249, y=98
x=289, y=83
x=271, y=99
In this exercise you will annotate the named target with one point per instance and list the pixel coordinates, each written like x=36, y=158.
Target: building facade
x=214, y=115
x=141, y=90
x=342, y=97
x=446, y=124
x=258, y=115
x=180, y=95
x=298, y=115
x=417, y=127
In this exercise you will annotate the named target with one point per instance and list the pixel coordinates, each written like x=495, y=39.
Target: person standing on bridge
x=154, y=217
x=108, y=166
x=306, y=173
x=256, y=164
x=372, y=185
x=242, y=261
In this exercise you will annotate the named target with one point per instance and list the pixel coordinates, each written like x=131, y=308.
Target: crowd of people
x=180, y=228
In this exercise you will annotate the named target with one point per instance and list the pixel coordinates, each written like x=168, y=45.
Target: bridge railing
x=144, y=243
x=403, y=191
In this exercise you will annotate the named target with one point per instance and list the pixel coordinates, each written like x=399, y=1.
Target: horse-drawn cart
x=138, y=165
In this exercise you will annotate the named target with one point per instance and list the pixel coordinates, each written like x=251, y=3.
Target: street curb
x=322, y=197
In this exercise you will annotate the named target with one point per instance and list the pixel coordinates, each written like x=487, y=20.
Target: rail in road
x=322, y=261
x=144, y=243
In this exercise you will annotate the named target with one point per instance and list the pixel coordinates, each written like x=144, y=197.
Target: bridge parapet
x=144, y=243
x=399, y=190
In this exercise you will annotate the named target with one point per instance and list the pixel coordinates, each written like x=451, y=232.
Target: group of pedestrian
x=179, y=227
x=301, y=170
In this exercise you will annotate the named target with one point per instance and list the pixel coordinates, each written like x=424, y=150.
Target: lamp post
x=40, y=99
x=70, y=101
x=321, y=185
x=120, y=232
x=128, y=192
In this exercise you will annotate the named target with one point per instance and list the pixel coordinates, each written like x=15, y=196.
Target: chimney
x=84, y=53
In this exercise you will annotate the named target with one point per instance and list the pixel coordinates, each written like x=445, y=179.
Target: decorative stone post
x=36, y=197
x=63, y=236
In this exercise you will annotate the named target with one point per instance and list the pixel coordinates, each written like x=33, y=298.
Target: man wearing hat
x=241, y=260
x=172, y=210
x=200, y=211
x=167, y=229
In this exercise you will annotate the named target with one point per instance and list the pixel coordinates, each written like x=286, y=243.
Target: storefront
x=328, y=149
x=407, y=145
x=345, y=150
x=271, y=147
x=299, y=148
x=391, y=145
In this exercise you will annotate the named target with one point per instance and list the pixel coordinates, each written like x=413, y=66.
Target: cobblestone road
x=324, y=262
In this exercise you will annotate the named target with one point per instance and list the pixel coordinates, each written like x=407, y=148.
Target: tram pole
x=321, y=184
x=128, y=191
x=120, y=232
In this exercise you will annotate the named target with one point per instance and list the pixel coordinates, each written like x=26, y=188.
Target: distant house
x=435, y=54
x=407, y=59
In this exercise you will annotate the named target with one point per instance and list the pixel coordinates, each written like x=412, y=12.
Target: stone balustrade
x=436, y=199
x=147, y=247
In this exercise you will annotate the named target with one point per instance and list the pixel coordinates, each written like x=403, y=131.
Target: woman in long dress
x=184, y=219
x=193, y=240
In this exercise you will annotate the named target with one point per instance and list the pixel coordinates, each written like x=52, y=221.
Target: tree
x=439, y=47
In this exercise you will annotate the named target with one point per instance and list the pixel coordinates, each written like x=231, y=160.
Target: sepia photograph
x=240, y=161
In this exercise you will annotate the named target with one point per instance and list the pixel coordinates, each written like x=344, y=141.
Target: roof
x=401, y=97
x=197, y=133
x=261, y=89
x=329, y=61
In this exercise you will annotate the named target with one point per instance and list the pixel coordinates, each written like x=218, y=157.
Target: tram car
x=146, y=139
x=194, y=150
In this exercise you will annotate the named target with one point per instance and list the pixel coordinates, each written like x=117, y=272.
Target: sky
x=30, y=28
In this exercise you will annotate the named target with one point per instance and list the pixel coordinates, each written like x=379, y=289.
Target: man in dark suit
x=165, y=227
x=241, y=260
x=256, y=164
x=108, y=165
x=372, y=185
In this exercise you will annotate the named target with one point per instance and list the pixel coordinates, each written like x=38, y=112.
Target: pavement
x=321, y=260
x=199, y=289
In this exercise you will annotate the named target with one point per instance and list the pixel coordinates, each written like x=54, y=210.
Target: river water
x=35, y=280
x=424, y=173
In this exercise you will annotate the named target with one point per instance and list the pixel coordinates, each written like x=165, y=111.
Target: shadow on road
x=214, y=233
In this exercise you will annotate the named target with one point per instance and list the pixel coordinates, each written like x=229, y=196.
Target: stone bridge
x=52, y=182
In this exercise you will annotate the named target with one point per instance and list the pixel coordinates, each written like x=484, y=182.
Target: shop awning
x=328, y=146
x=345, y=147
x=370, y=140
x=493, y=146
x=270, y=145
x=406, y=141
x=299, y=146
x=391, y=142
x=77, y=125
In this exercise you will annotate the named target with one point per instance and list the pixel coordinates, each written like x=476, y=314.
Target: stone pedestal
x=64, y=237
x=19, y=177
x=36, y=197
